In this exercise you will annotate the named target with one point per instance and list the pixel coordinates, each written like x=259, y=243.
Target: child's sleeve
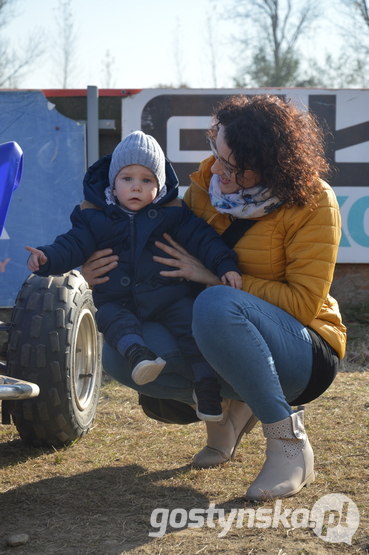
x=70, y=249
x=202, y=241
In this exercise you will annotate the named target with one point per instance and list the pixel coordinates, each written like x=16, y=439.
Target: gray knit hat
x=142, y=149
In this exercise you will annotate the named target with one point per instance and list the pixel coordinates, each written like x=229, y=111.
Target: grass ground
x=96, y=497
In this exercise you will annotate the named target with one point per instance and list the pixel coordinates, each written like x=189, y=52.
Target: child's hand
x=36, y=259
x=233, y=279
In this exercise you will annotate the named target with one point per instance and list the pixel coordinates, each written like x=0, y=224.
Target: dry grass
x=356, y=319
x=96, y=496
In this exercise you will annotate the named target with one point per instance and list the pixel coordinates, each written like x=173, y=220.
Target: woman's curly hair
x=285, y=145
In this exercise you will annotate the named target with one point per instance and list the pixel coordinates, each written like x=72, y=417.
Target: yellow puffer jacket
x=288, y=257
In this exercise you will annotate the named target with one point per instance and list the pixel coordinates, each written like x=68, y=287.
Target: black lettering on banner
x=349, y=174
x=159, y=109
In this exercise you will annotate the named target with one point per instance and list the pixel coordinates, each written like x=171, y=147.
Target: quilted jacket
x=136, y=281
x=288, y=257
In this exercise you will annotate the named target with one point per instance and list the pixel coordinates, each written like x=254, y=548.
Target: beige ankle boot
x=224, y=436
x=290, y=460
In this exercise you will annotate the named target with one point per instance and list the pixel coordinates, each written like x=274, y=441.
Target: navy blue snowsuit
x=136, y=291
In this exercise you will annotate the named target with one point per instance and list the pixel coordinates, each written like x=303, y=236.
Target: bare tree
x=363, y=8
x=7, y=11
x=108, y=70
x=15, y=63
x=271, y=31
x=213, y=54
x=350, y=65
x=343, y=70
x=65, y=43
x=356, y=11
x=178, y=56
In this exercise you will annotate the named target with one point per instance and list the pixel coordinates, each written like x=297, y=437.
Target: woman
x=278, y=341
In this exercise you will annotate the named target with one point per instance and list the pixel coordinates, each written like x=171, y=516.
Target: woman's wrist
x=205, y=277
x=214, y=280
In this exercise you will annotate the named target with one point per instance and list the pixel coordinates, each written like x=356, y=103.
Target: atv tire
x=54, y=343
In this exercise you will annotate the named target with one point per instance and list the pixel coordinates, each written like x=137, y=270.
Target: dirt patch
x=97, y=496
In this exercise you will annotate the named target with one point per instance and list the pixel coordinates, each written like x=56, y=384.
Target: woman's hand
x=100, y=263
x=187, y=266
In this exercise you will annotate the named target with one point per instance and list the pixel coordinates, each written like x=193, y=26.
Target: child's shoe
x=208, y=400
x=145, y=365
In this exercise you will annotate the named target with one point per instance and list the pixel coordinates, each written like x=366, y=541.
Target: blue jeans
x=262, y=355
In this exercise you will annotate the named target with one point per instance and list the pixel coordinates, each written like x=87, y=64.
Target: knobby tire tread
x=40, y=351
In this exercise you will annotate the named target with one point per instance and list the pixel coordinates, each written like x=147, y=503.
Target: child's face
x=135, y=187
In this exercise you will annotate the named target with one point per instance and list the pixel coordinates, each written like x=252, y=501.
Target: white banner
x=178, y=118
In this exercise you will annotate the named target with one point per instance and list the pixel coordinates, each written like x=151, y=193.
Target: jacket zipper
x=133, y=248
x=132, y=234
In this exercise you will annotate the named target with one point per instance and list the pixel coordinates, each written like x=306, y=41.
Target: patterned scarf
x=246, y=203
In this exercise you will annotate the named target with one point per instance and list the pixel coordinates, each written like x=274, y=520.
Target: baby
x=131, y=201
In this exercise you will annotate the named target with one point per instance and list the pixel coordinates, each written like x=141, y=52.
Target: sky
x=151, y=42
x=147, y=40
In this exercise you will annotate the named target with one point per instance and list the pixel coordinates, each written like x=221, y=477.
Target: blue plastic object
x=11, y=165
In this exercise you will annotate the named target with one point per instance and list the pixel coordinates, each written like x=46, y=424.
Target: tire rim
x=85, y=360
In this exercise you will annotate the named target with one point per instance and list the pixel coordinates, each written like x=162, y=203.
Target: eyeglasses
x=227, y=168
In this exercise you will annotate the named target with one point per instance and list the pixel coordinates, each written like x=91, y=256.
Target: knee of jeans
x=208, y=303
x=210, y=311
